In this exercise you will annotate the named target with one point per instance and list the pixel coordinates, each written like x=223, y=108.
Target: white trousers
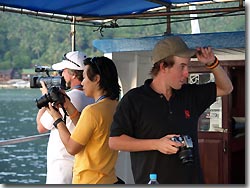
x=60, y=172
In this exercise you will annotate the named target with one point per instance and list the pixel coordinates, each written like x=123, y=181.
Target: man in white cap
x=148, y=117
x=59, y=161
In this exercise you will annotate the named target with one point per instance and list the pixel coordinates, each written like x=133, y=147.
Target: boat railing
x=123, y=162
x=23, y=139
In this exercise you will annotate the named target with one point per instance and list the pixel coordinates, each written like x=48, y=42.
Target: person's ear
x=162, y=67
x=97, y=78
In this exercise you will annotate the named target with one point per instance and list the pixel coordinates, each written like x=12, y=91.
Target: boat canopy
x=103, y=9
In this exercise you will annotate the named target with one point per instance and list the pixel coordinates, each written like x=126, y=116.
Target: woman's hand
x=53, y=111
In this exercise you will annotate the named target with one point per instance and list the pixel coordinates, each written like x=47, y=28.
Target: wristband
x=214, y=64
x=57, y=121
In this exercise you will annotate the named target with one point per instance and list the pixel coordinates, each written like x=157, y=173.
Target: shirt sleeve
x=204, y=95
x=79, y=100
x=47, y=120
x=84, y=127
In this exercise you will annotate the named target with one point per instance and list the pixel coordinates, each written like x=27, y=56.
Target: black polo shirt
x=144, y=114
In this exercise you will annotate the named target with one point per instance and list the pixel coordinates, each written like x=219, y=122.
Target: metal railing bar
x=23, y=139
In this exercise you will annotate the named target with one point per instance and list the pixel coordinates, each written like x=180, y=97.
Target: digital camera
x=50, y=81
x=54, y=95
x=186, y=151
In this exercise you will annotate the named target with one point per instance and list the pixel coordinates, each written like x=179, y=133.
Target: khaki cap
x=171, y=46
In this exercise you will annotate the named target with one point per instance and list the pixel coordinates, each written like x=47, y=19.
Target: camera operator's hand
x=53, y=111
x=67, y=101
x=167, y=146
x=43, y=89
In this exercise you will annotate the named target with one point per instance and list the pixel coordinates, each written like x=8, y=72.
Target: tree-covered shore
x=26, y=41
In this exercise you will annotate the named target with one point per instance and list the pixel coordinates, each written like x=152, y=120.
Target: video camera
x=50, y=81
x=53, y=83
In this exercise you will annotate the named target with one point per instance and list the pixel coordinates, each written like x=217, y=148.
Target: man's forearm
x=126, y=143
x=223, y=82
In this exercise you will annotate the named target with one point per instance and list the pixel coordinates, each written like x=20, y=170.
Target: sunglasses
x=94, y=61
x=65, y=58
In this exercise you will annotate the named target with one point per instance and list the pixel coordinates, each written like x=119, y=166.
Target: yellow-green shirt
x=95, y=164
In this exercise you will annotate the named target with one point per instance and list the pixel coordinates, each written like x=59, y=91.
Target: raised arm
x=223, y=83
x=71, y=146
x=40, y=127
x=73, y=113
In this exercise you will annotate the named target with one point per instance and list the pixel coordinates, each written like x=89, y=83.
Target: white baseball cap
x=71, y=60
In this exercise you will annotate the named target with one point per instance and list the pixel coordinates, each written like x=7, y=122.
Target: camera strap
x=66, y=96
x=64, y=110
x=65, y=113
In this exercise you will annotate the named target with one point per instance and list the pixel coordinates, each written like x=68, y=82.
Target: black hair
x=106, y=68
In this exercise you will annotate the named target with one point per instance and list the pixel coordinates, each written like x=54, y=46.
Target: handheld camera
x=186, y=151
x=54, y=96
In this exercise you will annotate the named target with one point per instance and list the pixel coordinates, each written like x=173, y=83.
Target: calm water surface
x=22, y=163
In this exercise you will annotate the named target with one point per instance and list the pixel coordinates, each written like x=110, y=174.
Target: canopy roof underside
x=85, y=10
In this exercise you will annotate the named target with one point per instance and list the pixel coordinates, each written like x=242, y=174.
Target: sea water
x=21, y=163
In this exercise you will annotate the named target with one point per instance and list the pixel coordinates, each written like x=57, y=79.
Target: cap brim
x=64, y=64
x=187, y=53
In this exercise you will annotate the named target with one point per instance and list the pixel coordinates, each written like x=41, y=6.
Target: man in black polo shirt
x=148, y=117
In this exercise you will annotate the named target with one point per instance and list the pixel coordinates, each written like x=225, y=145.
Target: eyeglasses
x=65, y=58
x=94, y=61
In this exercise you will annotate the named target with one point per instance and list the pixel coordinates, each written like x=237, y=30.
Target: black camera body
x=186, y=151
x=54, y=96
x=50, y=81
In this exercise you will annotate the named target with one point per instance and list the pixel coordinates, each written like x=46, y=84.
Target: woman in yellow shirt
x=94, y=160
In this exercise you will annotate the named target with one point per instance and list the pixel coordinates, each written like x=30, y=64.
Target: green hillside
x=26, y=41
